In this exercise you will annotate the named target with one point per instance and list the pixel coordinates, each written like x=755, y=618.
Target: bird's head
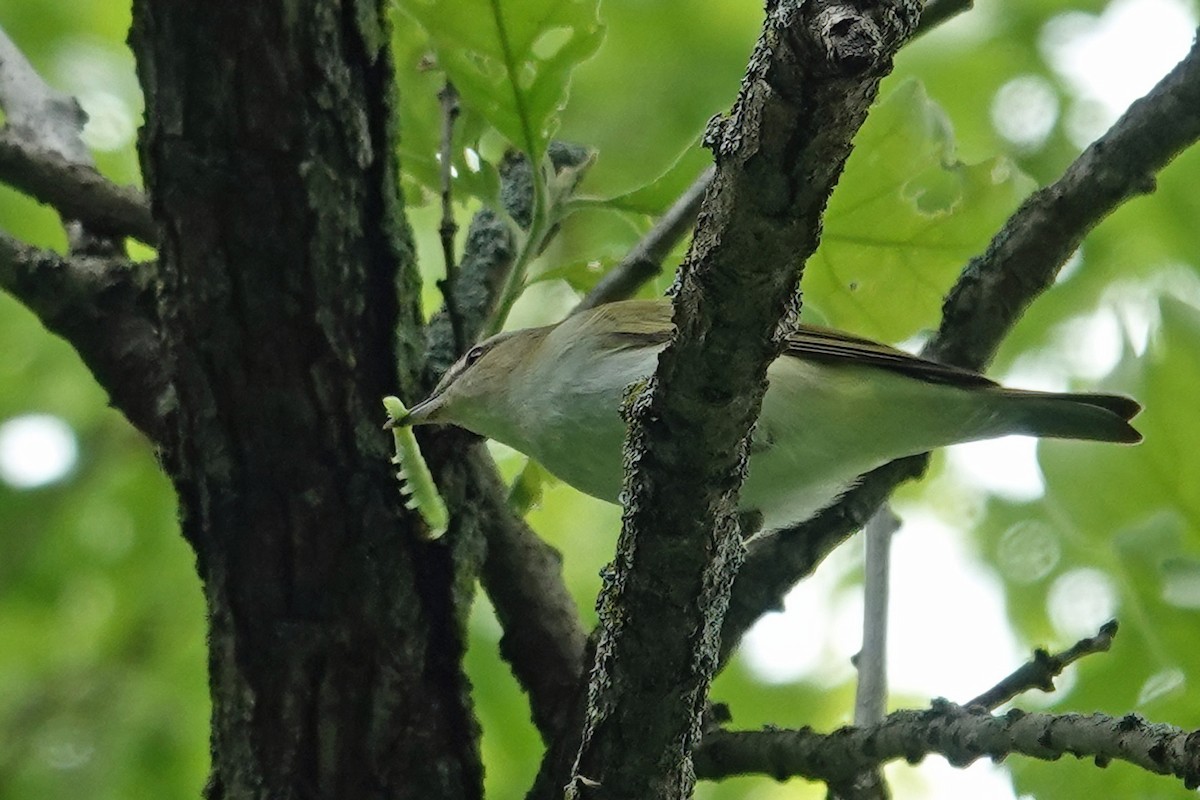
x=481, y=384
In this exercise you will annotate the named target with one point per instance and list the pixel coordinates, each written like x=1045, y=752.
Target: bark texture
x=336, y=633
x=811, y=78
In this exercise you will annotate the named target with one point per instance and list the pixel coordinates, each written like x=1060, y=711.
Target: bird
x=836, y=406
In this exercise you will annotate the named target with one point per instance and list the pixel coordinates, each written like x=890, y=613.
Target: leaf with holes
x=904, y=220
x=511, y=61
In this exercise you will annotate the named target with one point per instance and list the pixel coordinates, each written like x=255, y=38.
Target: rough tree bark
x=335, y=633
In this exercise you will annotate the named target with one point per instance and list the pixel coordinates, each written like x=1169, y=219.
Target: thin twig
x=448, y=229
x=870, y=699
x=870, y=696
x=644, y=262
x=1043, y=668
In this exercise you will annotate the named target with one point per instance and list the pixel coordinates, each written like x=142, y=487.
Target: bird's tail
x=1096, y=417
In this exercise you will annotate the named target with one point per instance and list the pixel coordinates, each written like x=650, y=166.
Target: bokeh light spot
x=1028, y=552
x=1024, y=111
x=1080, y=601
x=36, y=449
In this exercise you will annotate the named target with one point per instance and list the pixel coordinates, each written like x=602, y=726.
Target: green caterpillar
x=416, y=482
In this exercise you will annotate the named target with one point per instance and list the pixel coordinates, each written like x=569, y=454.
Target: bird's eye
x=473, y=355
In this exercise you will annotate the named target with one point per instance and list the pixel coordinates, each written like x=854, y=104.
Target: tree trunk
x=336, y=632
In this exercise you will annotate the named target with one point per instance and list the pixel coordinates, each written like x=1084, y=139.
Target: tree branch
x=961, y=735
x=103, y=306
x=644, y=261
x=810, y=81
x=996, y=287
x=1040, y=671
x=76, y=191
x=810, y=753
x=44, y=153
x=543, y=638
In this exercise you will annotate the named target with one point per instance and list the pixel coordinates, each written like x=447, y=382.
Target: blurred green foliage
x=102, y=686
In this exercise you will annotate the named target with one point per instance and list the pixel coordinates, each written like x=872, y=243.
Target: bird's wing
x=642, y=323
x=634, y=323
x=839, y=348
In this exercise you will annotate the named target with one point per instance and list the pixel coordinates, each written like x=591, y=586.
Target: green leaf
x=528, y=487
x=511, y=61
x=655, y=197
x=581, y=276
x=904, y=220
x=1115, y=488
x=421, y=114
x=1132, y=514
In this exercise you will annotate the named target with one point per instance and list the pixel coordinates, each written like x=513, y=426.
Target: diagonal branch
x=1020, y=263
x=811, y=78
x=103, y=306
x=1040, y=671
x=43, y=153
x=644, y=262
x=76, y=191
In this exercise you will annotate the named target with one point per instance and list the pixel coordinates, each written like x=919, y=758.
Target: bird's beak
x=420, y=414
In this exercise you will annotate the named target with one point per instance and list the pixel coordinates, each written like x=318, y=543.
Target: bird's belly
x=786, y=493
x=598, y=474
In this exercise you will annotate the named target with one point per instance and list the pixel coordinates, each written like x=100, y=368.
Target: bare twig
x=870, y=696
x=1043, y=668
x=448, y=97
x=870, y=700
x=962, y=735
x=1020, y=262
x=644, y=261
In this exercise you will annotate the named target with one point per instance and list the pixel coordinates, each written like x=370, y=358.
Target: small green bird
x=836, y=406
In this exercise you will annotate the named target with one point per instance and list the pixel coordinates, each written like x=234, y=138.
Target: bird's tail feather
x=1095, y=417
